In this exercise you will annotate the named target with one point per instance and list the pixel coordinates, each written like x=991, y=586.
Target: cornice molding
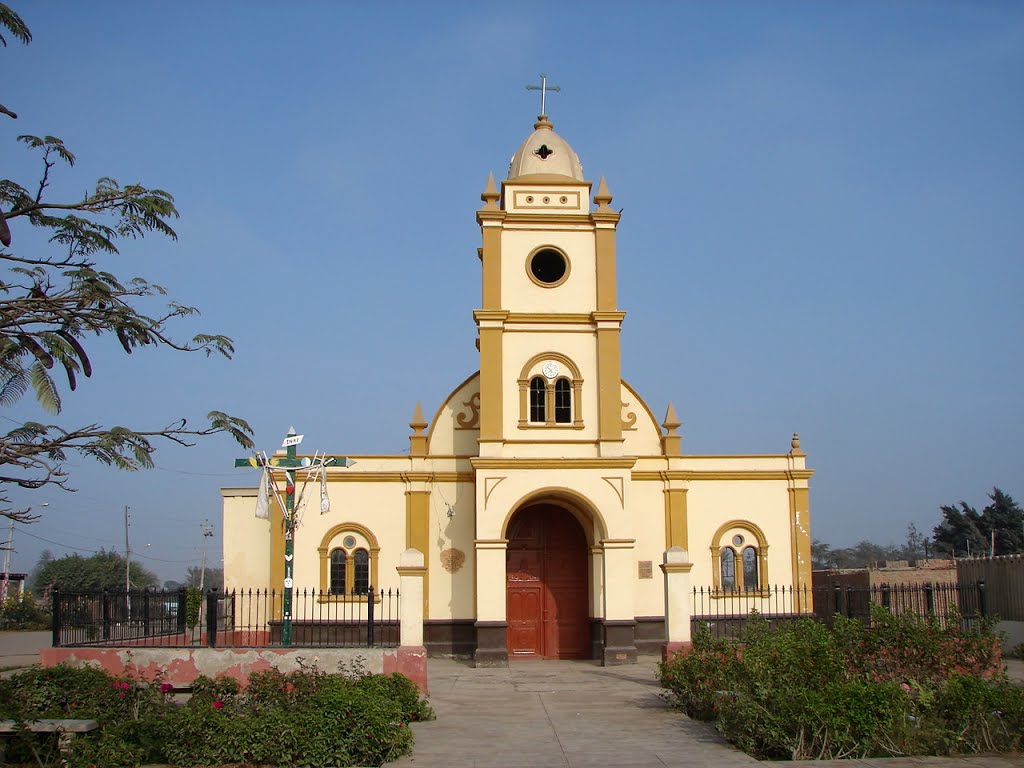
x=724, y=474
x=558, y=463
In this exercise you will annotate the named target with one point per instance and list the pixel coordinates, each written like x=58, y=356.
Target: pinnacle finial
x=418, y=424
x=795, y=445
x=490, y=194
x=671, y=422
x=603, y=196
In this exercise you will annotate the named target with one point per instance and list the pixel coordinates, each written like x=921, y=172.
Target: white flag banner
x=325, y=501
x=263, y=497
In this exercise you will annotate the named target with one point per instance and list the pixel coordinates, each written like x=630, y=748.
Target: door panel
x=546, y=569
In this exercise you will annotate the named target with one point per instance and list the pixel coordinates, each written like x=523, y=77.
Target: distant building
x=12, y=585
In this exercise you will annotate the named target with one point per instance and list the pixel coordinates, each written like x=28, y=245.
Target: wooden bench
x=64, y=729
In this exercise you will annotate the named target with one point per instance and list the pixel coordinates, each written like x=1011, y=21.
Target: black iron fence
x=238, y=618
x=725, y=613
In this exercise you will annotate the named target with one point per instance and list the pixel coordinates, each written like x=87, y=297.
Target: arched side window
x=361, y=563
x=750, y=580
x=538, y=400
x=728, y=569
x=739, y=554
x=563, y=401
x=338, y=564
x=349, y=555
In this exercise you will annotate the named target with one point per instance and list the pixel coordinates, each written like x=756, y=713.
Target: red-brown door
x=546, y=567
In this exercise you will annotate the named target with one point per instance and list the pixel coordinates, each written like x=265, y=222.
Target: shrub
x=798, y=690
x=302, y=718
x=23, y=613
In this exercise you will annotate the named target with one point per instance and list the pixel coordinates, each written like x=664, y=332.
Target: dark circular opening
x=548, y=266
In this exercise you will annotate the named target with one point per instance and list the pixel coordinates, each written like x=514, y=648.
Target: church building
x=543, y=493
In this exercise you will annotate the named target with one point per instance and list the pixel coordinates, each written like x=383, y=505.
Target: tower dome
x=544, y=153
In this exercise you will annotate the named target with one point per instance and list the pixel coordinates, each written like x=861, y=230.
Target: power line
x=61, y=544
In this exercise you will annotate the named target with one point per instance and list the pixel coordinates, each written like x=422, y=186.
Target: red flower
x=166, y=687
x=218, y=705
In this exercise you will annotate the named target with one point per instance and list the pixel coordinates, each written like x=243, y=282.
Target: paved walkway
x=574, y=713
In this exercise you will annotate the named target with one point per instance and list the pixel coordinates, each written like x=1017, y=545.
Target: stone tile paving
x=580, y=715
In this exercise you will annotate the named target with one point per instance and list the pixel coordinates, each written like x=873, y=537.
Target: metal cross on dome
x=543, y=88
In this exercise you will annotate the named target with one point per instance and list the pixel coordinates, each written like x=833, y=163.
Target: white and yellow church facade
x=544, y=493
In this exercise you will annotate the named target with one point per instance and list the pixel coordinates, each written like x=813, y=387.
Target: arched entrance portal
x=546, y=585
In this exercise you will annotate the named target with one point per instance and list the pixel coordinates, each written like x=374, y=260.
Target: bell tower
x=549, y=324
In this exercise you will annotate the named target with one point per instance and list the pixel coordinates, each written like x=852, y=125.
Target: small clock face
x=550, y=369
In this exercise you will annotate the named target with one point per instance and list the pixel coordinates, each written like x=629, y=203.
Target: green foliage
x=56, y=300
x=193, y=603
x=799, y=690
x=963, y=528
x=104, y=570
x=23, y=612
x=302, y=718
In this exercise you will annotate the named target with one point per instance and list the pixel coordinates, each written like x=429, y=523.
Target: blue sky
x=822, y=229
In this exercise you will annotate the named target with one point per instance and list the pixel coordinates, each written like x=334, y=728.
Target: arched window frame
x=755, y=539
x=331, y=542
x=338, y=571
x=570, y=373
x=538, y=400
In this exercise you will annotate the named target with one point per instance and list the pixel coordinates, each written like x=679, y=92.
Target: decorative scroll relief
x=470, y=420
x=490, y=484
x=628, y=418
x=617, y=486
x=452, y=559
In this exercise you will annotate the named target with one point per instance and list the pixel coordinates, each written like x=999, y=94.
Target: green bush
x=302, y=718
x=799, y=690
x=23, y=613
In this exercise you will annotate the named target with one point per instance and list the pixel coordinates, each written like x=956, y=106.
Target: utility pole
x=127, y=566
x=207, y=530
x=7, y=561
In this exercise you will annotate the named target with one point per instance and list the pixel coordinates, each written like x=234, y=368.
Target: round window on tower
x=548, y=267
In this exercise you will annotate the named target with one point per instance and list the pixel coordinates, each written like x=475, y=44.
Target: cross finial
x=543, y=88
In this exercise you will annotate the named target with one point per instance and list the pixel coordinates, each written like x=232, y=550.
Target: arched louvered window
x=563, y=401
x=538, y=395
x=338, y=558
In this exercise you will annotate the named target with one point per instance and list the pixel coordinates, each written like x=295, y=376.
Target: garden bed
x=303, y=718
x=905, y=686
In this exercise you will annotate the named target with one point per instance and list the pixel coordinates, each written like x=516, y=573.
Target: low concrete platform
x=577, y=714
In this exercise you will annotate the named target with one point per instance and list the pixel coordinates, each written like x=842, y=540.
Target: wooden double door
x=546, y=585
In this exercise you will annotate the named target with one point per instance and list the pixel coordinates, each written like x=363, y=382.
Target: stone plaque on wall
x=646, y=569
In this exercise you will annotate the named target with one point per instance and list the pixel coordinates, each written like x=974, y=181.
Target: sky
x=821, y=232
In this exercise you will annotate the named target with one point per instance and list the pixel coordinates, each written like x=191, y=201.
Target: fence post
x=839, y=599
x=211, y=618
x=886, y=596
x=145, y=612
x=676, y=567
x=105, y=608
x=55, y=616
x=982, y=598
x=182, y=614
x=369, y=616
x=850, y=612
x=929, y=598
